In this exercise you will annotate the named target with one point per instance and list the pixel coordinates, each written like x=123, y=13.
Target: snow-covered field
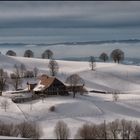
x=93, y=107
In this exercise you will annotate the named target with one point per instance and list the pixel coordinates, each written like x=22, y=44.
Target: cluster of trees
x=24, y=130
x=117, y=129
x=47, y=54
x=116, y=55
x=16, y=77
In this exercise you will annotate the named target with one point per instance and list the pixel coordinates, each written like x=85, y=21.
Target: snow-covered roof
x=39, y=87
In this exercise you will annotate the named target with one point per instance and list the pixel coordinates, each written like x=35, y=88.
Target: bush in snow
x=5, y=104
x=88, y=131
x=115, y=96
x=29, y=130
x=52, y=108
x=61, y=130
x=8, y=129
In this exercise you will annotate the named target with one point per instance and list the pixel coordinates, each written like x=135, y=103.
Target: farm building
x=50, y=86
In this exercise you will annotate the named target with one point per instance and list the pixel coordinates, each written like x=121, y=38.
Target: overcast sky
x=69, y=21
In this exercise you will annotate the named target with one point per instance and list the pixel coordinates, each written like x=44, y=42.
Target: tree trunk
x=73, y=94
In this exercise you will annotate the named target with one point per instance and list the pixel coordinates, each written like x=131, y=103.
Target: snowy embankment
x=88, y=108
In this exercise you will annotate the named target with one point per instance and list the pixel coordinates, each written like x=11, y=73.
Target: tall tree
x=35, y=71
x=15, y=77
x=104, y=57
x=3, y=79
x=22, y=69
x=28, y=53
x=117, y=55
x=47, y=54
x=54, y=67
x=92, y=62
x=74, y=81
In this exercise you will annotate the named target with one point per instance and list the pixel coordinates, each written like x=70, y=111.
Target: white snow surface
x=89, y=108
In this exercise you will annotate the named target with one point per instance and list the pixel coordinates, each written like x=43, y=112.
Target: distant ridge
x=76, y=43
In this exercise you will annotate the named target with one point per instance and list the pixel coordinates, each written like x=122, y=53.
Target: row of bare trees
x=23, y=130
x=117, y=129
x=47, y=54
x=116, y=55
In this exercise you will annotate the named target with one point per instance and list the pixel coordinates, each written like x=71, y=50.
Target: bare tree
x=114, y=129
x=61, y=130
x=92, y=62
x=47, y=54
x=117, y=55
x=11, y=53
x=28, y=53
x=53, y=66
x=3, y=79
x=22, y=70
x=5, y=104
x=126, y=129
x=104, y=57
x=29, y=74
x=136, y=131
x=15, y=77
x=29, y=130
x=115, y=96
x=102, y=130
x=76, y=83
x=35, y=70
x=88, y=131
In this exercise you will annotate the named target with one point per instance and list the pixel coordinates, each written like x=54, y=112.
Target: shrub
x=61, y=130
x=29, y=130
x=52, y=108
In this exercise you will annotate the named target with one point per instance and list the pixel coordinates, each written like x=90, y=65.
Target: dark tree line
x=117, y=129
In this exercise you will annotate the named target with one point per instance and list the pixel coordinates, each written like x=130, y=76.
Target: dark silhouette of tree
x=53, y=66
x=61, y=130
x=75, y=82
x=3, y=79
x=22, y=70
x=28, y=53
x=5, y=104
x=11, y=53
x=15, y=77
x=104, y=57
x=35, y=71
x=47, y=54
x=92, y=62
x=117, y=55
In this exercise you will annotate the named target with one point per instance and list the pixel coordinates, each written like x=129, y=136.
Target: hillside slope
x=107, y=77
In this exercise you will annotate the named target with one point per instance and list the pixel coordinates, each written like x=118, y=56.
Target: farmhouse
x=50, y=86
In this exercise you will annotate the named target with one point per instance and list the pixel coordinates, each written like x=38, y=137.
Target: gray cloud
x=69, y=14
x=76, y=20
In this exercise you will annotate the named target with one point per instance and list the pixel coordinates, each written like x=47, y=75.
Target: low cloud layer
x=116, y=18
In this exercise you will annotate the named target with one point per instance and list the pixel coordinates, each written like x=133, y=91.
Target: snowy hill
x=93, y=107
x=107, y=77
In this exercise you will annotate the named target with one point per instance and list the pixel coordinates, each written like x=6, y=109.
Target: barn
x=50, y=86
